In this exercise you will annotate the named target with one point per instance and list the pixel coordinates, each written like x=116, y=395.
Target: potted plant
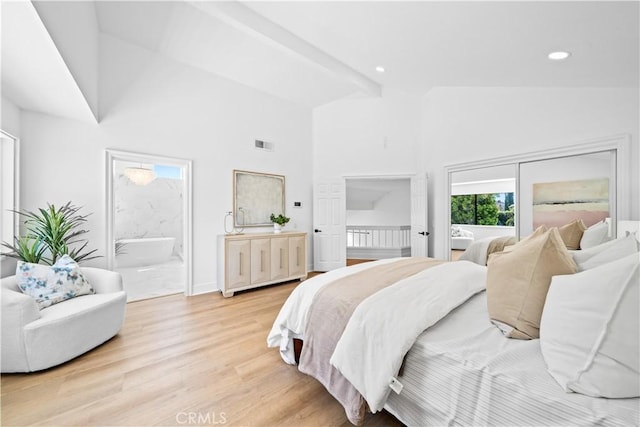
x=279, y=222
x=51, y=233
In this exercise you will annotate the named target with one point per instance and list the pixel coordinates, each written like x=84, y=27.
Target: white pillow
x=594, y=235
x=606, y=252
x=590, y=330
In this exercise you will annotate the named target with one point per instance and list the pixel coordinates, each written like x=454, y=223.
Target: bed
x=425, y=349
x=479, y=250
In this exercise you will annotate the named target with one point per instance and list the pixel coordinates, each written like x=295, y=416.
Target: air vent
x=264, y=145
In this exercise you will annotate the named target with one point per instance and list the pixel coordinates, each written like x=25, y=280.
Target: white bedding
x=477, y=251
x=385, y=325
x=463, y=371
x=292, y=318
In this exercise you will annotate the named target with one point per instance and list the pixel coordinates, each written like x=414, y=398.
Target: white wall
x=394, y=208
x=156, y=106
x=367, y=136
x=462, y=124
x=466, y=124
x=74, y=30
x=10, y=117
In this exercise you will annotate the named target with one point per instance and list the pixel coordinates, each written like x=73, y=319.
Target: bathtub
x=145, y=251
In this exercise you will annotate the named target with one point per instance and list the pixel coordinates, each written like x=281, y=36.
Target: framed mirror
x=256, y=196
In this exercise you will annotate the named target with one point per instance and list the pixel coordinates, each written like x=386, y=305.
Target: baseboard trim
x=205, y=288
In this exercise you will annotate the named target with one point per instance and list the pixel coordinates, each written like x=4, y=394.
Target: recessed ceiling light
x=380, y=69
x=559, y=56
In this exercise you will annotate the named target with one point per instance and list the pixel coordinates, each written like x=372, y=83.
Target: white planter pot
x=277, y=228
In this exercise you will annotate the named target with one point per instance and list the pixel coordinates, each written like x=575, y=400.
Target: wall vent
x=264, y=145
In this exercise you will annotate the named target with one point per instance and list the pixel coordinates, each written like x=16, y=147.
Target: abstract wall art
x=558, y=203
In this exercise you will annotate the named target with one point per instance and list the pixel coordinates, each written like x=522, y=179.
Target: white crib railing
x=378, y=241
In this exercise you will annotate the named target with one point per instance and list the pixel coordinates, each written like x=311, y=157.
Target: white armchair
x=34, y=339
x=460, y=239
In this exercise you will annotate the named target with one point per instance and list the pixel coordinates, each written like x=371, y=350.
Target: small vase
x=277, y=228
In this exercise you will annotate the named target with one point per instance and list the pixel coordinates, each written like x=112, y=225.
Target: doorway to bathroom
x=149, y=223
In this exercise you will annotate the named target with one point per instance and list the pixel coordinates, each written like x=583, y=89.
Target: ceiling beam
x=245, y=19
x=34, y=74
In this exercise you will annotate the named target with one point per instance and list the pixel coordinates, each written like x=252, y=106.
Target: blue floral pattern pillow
x=49, y=285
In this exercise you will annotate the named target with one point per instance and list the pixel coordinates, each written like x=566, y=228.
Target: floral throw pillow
x=51, y=284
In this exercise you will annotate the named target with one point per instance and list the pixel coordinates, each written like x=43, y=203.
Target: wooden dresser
x=247, y=261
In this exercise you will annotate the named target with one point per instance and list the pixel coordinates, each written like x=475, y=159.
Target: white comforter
x=292, y=319
x=384, y=326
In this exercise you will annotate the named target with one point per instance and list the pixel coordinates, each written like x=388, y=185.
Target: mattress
x=462, y=371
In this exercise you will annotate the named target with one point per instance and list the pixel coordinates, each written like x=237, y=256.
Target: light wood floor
x=352, y=261
x=203, y=357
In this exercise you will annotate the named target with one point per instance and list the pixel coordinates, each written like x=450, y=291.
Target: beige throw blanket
x=328, y=317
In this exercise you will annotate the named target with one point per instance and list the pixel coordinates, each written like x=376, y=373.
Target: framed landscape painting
x=558, y=203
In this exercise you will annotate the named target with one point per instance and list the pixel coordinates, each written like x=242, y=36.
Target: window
x=9, y=201
x=171, y=172
x=483, y=209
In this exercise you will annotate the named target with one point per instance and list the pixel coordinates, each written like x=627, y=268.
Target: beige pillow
x=537, y=232
x=572, y=234
x=518, y=281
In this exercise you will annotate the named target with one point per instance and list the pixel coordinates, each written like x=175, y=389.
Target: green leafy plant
x=280, y=219
x=27, y=249
x=50, y=234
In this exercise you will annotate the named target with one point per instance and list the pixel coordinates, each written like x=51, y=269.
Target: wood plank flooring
x=180, y=361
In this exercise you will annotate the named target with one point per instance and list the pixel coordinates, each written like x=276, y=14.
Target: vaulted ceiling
x=314, y=52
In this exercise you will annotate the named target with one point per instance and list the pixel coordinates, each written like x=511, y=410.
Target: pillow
x=594, y=235
x=517, y=282
x=49, y=285
x=572, y=233
x=537, y=232
x=590, y=333
x=606, y=252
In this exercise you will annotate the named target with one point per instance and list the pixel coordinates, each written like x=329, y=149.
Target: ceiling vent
x=264, y=145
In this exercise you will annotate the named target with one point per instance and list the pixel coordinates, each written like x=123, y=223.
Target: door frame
x=381, y=177
x=111, y=156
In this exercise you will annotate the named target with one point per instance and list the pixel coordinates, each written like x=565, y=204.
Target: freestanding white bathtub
x=145, y=251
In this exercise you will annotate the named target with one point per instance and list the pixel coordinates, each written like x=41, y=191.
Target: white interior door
x=419, y=216
x=329, y=225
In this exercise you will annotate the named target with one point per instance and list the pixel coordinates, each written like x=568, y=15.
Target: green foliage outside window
x=482, y=209
x=463, y=209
